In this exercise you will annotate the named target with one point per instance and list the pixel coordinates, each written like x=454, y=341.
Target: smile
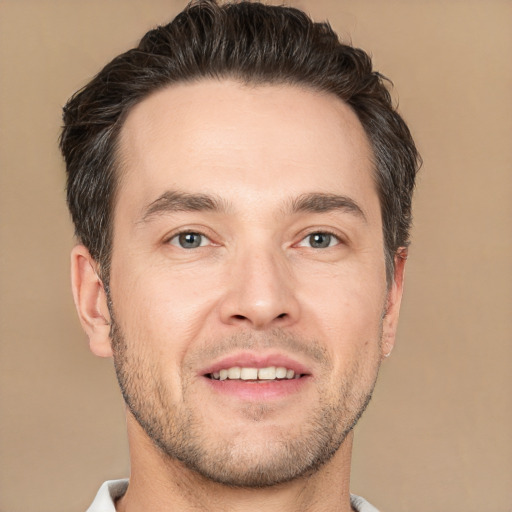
x=254, y=374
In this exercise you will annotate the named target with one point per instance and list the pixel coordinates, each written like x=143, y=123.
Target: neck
x=161, y=484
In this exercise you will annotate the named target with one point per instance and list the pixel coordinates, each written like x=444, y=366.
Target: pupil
x=320, y=240
x=190, y=240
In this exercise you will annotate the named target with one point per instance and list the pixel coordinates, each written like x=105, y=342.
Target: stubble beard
x=181, y=434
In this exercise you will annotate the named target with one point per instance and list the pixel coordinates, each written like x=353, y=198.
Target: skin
x=254, y=281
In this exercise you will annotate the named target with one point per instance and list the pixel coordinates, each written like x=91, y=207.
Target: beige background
x=438, y=435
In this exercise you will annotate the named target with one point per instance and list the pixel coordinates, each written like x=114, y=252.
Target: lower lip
x=258, y=390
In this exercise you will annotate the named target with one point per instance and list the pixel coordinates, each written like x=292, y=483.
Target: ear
x=90, y=301
x=394, y=299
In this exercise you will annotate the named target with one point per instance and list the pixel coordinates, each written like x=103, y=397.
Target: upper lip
x=256, y=360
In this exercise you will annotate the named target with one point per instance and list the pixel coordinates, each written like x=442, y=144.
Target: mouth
x=269, y=373
x=251, y=376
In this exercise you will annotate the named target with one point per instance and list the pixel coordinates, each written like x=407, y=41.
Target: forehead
x=211, y=135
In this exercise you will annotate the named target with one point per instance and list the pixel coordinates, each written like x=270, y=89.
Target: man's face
x=247, y=242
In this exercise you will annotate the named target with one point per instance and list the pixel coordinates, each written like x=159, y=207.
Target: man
x=241, y=190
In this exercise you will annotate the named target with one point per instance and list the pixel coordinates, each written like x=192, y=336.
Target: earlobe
x=394, y=299
x=90, y=301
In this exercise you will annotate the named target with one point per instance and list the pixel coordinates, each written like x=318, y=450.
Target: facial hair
x=179, y=431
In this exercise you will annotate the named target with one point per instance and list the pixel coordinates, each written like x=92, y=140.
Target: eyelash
x=176, y=236
x=338, y=239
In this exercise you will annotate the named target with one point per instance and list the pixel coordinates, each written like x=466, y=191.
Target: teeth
x=281, y=373
x=269, y=373
x=234, y=373
x=249, y=373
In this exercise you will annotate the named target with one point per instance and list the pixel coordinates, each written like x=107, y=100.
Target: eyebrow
x=314, y=202
x=174, y=201
x=322, y=203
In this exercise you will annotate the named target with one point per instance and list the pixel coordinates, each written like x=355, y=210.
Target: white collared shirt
x=112, y=490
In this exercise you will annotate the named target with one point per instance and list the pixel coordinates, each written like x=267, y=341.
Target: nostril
x=282, y=315
x=239, y=317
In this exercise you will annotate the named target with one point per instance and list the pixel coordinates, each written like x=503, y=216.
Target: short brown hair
x=250, y=42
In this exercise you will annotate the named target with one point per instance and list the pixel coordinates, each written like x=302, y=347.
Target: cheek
x=345, y=310
x=164, y=308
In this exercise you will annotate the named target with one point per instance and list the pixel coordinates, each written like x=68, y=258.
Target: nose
x=260, y=293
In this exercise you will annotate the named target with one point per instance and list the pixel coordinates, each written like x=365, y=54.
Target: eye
x=189, y=240
x=319, y=240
